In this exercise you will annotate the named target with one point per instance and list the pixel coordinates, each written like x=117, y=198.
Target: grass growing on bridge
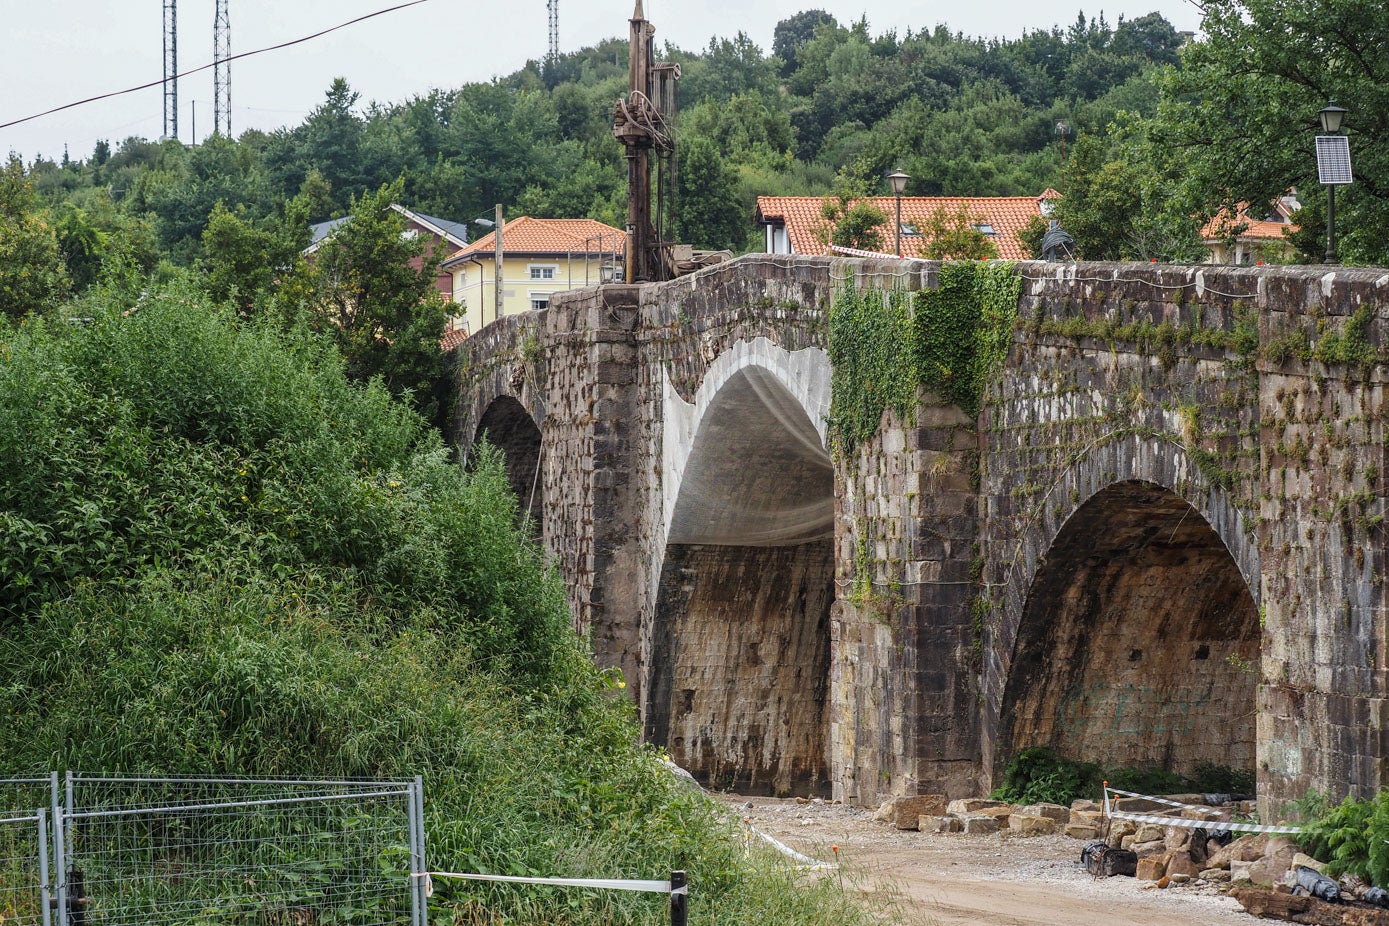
x=217, y=556
x=886, y=345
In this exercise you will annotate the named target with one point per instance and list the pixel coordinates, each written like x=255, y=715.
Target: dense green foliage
x=1352, y=837
x=1235, y=124
x=219, y=555
x=885, y=345
x=1038, y=775
x=962, y=115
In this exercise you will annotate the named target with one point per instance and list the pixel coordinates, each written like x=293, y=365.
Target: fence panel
x=24, y=869
x=249, y=852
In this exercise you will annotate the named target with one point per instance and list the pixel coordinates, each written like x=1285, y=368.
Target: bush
x=217, y=556
x=1037, y=775
x=1352, y=838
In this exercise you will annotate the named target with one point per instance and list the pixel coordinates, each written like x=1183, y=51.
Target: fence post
x=419, y=897
x=679, y=899
x=59, y=851
x=41, y=844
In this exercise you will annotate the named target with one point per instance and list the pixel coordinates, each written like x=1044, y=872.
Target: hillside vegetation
x=222, y=557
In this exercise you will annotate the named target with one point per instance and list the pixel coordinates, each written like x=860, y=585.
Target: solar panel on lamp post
x=1331, y=118
x=899, y=183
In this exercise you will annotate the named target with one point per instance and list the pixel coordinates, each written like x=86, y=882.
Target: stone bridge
x=1160, y=541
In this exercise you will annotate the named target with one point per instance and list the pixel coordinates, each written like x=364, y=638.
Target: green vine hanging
x=951, y=340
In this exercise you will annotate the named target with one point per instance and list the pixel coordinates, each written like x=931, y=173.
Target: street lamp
x=1333, y=167
x=899, y=183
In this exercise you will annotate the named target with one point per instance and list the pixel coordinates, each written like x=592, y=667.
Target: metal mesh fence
x=23, y=869
x=271, y=853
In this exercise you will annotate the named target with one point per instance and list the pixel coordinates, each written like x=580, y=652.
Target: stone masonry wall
x=1252, y=398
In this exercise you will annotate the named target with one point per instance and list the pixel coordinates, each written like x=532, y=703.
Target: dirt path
x=991, y=880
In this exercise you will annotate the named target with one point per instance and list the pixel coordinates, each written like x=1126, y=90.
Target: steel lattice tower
x=221, y=71
x=554, y=29
x=171, y=68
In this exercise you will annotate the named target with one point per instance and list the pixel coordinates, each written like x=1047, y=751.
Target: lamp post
x=1063, y=128
x=1331, y=117
x=899, y=183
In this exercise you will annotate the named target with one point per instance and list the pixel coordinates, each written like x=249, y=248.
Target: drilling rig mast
x=221, y=71
x=643, y=122
x=171, y=69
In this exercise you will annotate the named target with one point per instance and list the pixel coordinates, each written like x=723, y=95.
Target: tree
x=371, y=288
x=793, y=33
x=244, y=259
x=708, y=214
x=33, y=276
x=954, y=236
x=1238, y=117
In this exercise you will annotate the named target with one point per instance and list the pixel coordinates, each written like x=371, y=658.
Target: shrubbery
x=218, y=556
x=1038, y=775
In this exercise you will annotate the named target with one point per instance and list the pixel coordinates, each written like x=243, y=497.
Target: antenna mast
x=221, y=71
x=171, y=68
x=554, y=29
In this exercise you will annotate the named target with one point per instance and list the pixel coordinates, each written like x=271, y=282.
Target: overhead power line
x=205, y=67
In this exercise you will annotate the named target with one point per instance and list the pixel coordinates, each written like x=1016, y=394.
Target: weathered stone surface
x=1239, y=870
x=1153, y=847
x=1087, y=817
x=1081, y=830
x=1084, y=805
x=1052, y=811
x=1301, y=860
x=1151, y=868
x=1272, y=868
x=1102, y=460
x=1026, y=824
x=1246, y=848
x=966, y=805
x=1147, y=832
x=939, y=824
x=979, y=824
x=1177, y=837
x=1180, y=863
x=1215, y=874
x=908, y=811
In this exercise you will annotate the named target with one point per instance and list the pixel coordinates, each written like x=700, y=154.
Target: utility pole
x=171, y=68
x=498, y=277
x=221, y=70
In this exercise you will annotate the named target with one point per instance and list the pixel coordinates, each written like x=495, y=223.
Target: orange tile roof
x=525, y=235
x=456, y=336
x=1007, y=214
x=1221, y=225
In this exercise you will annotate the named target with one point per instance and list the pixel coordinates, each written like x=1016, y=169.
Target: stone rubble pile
x=1259, y=870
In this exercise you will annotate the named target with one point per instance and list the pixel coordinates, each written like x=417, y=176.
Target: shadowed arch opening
x=510, y=428
x=1139, y=642
x=740, y=640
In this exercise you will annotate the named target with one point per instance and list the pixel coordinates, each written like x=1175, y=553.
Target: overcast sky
x=60, y=51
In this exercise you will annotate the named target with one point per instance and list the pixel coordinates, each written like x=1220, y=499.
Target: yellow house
x=539, y=257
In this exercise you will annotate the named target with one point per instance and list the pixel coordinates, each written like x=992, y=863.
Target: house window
x=909, y=230
x=984, y=228
x=540, y=301
x=543, y=271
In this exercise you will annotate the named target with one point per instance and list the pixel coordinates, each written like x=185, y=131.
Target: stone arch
x=509, y=427
x=1128, y=630
x=739, y=656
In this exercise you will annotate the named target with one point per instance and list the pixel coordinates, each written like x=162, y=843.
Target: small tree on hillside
x=33, y=276
x=371, y=287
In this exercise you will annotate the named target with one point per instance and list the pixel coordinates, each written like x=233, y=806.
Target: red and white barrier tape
x=1210, y=826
